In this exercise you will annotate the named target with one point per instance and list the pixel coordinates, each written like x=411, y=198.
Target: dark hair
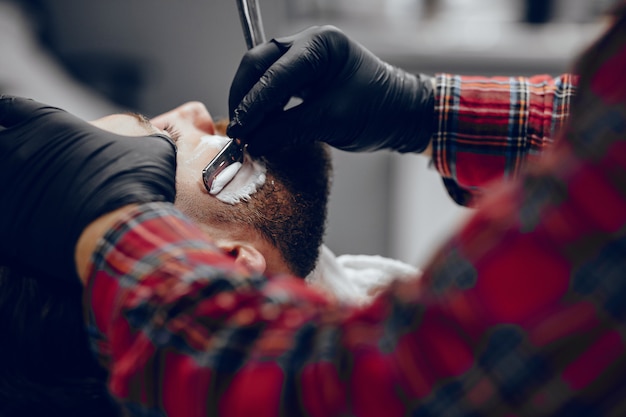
x=305, y=172
x=46, y=364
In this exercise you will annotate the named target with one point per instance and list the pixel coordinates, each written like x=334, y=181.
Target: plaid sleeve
x=488, y=128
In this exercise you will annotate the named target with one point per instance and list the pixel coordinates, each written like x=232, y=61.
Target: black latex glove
x=352, y=99
x=58, y=173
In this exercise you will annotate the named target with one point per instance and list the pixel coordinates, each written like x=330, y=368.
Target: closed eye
x=172, y=132
x=170, y=129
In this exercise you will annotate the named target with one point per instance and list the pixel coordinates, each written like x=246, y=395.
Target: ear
x=246, y=255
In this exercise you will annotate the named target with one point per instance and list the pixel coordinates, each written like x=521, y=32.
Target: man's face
x=187, y=125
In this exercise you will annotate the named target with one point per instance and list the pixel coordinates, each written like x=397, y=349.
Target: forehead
x=129, y=124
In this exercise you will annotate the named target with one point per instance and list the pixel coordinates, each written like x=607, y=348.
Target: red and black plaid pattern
x=489, y=128
x=522, y=313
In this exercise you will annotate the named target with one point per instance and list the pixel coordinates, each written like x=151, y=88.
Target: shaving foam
x=238, y=181
x=220, y=181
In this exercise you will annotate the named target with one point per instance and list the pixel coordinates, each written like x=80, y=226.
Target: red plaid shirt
x=490, y=128
x=521, y=313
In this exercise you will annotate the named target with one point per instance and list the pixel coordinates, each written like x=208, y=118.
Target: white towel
x=354, y=279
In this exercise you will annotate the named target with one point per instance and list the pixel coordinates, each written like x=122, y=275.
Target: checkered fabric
x=521, y=313
x=489, y=128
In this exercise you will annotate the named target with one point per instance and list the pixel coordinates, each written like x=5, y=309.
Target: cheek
x=188, y=179
x=197, y=151
x=195, y=203
x=189, y=164
x=189, y=197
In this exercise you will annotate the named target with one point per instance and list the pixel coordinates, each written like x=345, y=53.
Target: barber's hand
x=352, y=99
x=58, y=173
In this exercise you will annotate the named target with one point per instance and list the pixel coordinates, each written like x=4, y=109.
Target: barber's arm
x=476, y=129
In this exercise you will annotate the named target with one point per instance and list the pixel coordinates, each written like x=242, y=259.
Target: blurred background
x=98, y=57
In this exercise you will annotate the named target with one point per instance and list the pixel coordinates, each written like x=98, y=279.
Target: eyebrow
x=145, y=122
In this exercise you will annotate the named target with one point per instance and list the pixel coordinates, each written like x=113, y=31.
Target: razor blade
x=230, y=154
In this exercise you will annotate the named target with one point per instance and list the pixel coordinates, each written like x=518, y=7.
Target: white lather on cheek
x=246, y=182
x=207, y=142
x=214, y=140
x=224, y=177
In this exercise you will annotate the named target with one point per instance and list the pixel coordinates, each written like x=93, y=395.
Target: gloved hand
x=352, y=99
x=58, y=173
